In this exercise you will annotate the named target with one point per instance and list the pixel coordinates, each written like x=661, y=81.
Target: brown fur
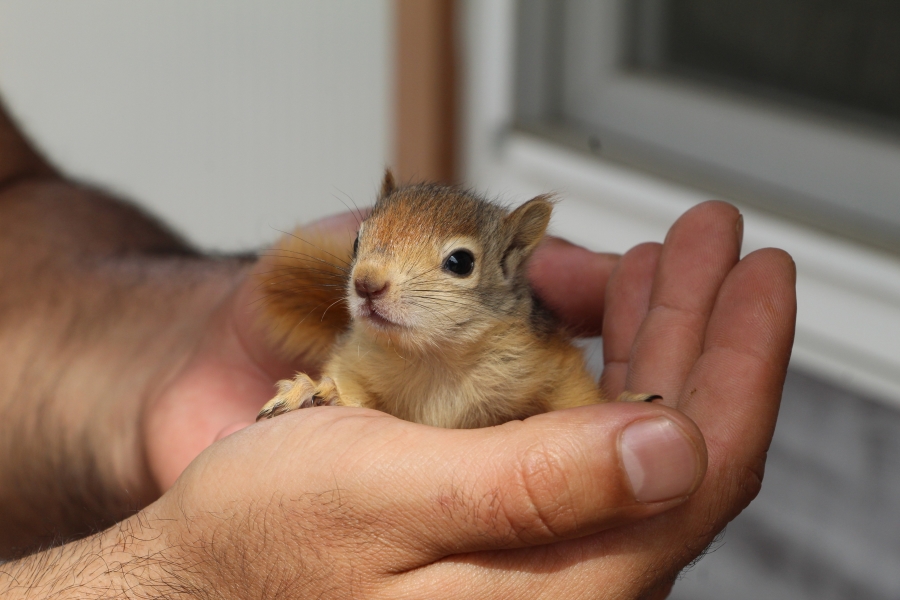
x=304, y=285
x=432, y=347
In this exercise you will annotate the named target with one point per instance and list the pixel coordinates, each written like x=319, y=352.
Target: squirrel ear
x=387, y=184
x=525, y=228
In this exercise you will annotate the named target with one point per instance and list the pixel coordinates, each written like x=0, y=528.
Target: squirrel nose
x=366, y=288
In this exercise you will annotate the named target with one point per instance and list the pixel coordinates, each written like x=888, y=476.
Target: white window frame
x=788, y=159
x=848, y=325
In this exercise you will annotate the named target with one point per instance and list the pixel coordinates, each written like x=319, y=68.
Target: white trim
x=848, y=327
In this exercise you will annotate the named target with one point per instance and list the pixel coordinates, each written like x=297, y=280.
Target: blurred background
x=235, y=120
x=227, y=120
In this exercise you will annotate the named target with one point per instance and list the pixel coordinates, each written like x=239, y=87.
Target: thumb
x=552, y=477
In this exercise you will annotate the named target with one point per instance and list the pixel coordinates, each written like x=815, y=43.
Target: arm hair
x=122, y=562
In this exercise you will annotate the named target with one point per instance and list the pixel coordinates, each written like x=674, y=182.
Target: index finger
x=701, y=248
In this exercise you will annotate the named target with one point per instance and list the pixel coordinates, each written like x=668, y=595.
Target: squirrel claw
x=271, y=409
x=300, y=392
x=634, y=397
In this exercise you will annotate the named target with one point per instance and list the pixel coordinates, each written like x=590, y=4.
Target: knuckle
x=541, y=503
x=750, y=480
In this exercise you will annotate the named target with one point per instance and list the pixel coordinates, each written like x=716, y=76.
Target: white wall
x=229, y=119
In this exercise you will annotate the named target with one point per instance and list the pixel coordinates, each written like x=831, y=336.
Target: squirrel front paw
x=300, y=392
x=634, y=397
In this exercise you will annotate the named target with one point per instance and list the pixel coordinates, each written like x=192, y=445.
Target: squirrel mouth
x=371, y=314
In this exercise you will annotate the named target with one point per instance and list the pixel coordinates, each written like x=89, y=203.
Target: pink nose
x=366, y=288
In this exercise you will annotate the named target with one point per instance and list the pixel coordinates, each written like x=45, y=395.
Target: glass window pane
x=841, y=52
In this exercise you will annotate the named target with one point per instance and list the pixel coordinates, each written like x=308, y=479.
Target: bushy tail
x=304, y=285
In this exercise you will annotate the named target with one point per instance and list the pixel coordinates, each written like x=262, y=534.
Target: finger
x=699, y=251
x=571, y=281
x=628, y=299
x=569, y=570
x=746, y=352
x=552, y=477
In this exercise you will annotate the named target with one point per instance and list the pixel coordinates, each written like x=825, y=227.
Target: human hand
x=686, y=319
x=330, y=503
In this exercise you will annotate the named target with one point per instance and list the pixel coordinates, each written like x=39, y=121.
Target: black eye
x=355, y=246
x=460, y=263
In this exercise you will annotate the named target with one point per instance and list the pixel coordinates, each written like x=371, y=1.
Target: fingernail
x=659, y=459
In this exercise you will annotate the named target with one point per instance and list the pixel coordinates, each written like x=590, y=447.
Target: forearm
x=99, y=305
x=129, y=560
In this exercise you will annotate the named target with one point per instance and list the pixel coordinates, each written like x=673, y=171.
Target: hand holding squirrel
x=687, y=318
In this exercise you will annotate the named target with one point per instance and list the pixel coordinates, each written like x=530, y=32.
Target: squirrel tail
x=304, y=289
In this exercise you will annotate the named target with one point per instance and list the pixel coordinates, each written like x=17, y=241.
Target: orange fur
x=304, y=285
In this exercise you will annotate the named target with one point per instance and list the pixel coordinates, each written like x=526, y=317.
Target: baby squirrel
x=431, y=318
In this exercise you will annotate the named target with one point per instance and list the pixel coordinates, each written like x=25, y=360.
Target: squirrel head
x=436, y=266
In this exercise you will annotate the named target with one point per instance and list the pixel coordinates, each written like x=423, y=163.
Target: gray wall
x=825, y=525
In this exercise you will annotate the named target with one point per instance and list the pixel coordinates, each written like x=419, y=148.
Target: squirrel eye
x=355, y=245
x=461, y=263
